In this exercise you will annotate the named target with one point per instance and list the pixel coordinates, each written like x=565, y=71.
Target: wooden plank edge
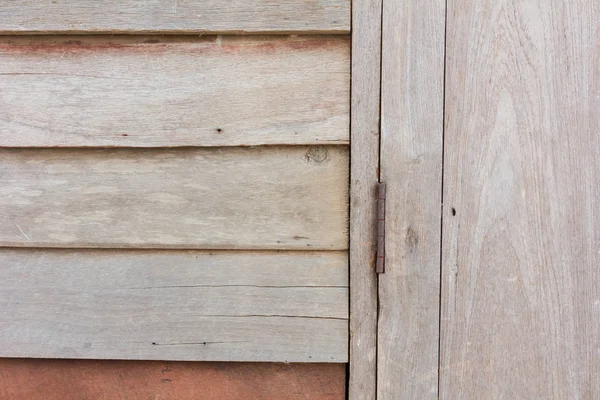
x=162, y=246
x=364, y=175
x=132, y=145
x=183, y=32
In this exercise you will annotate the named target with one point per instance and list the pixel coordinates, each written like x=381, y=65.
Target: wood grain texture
x=364, y=175
x=411, y=167
x=174, y=305
x=173, y=16
x=521, y=299
x=27, y=379
x=163, y=91
x=234, y=198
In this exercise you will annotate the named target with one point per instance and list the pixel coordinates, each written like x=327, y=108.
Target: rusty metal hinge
x=380, y=265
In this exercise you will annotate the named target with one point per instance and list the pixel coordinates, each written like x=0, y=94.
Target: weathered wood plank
x=411, y=167
x=163, y=91
x=174, y=305
x=122, y=269
x=521, y=293
x=364, y=174
x=173, y=16
x=253, y=198
x=34, y=379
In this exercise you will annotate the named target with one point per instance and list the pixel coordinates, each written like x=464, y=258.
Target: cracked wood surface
x=171, y=91
x=228, y=198
x=173, y=16
x=174, y=305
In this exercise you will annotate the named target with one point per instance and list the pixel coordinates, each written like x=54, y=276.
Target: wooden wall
x=173, y=190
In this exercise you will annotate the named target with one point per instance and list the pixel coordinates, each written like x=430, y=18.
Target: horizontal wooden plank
x=234, y=198
x=173, y=16
x=35, y=379
x=123, y=269
x=174, y=305
x=272, y=339
x=163, y=91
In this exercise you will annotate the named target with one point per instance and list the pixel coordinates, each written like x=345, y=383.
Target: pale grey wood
x=174, y=305
x=364, y=174
x=521, y=293
x=259, y=339
x=122, y=269
x=154, y=92
x=243, y=198
x=173, y=16
x=411, y=167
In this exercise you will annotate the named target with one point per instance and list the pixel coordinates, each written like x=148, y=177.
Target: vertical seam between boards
x=350, y=289
x=439, y=374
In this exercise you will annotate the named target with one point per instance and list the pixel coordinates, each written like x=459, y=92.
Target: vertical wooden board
x=411, y=167
x=28, y=379
x=521, y=236
x=364, y=171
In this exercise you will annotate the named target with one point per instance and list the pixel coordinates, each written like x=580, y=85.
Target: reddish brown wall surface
x=89, y=379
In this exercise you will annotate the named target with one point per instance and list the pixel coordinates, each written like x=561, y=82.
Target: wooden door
x=489, y=149
x=171, y=189
x=520, y=262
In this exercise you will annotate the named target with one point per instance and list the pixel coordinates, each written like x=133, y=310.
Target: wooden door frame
x=397, y=107
x=364, y=175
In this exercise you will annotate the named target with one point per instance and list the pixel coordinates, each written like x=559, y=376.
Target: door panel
x=519, y=292
x=521, y=232
x=411, y=167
